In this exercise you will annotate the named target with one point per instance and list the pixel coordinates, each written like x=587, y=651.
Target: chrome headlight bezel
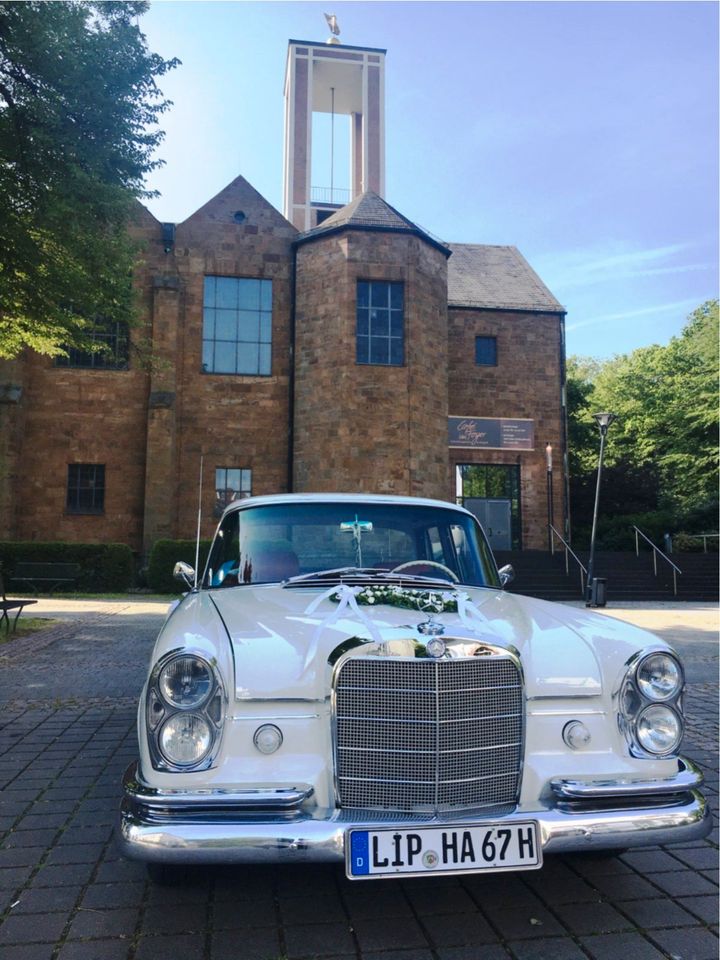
x=159, y=709
x=634, y=698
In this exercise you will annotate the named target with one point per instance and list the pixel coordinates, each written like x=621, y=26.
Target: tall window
x=113, y=337
x=237, y=326
x=231, y=483
x=380, y=323
x=486, y=351
x=86, y=488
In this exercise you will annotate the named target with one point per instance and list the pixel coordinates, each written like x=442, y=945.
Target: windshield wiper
x=337, y=571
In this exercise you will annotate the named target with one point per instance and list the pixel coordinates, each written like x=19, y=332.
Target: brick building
x=336, y=347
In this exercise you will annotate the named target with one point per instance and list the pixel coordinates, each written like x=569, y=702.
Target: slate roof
x=368, y=211
x=494, y=276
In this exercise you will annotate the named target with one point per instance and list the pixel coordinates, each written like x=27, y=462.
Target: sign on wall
x=481, y=433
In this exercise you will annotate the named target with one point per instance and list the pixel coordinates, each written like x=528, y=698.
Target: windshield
x=268, y=544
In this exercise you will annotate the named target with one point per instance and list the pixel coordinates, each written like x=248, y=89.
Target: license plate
x=418, y=851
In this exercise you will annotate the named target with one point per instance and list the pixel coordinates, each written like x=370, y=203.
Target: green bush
x=165, y=554
x=104, y=567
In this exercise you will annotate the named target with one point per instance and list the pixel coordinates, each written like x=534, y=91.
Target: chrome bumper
x=204, y=828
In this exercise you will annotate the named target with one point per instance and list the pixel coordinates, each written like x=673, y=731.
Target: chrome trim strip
x=689, y=777
x=275, y=798
x=319, y=835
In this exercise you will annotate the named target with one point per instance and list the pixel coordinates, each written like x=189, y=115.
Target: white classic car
x=349, y=681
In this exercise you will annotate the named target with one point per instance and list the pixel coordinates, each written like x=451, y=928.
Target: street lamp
x=604, y=421
x=548, y=459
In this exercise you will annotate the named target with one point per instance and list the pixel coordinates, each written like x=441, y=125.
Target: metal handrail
x=568, y=550
x=656, y=550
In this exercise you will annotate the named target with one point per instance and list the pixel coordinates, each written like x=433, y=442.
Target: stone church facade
x=361, y=354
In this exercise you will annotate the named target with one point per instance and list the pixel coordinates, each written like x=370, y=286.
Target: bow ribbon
x=348, y=606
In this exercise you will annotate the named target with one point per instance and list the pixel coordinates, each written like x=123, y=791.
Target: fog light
x=268, y=738
x=576, y=735
x=659, y=729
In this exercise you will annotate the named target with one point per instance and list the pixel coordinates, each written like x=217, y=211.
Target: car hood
x=283, y=649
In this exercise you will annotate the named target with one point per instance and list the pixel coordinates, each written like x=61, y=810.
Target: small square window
x=231, y=483
x=86, y=488
x=486, y=351
x=112, y=337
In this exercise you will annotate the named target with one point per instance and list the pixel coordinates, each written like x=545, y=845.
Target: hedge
x=165, y=554
x=104, y=567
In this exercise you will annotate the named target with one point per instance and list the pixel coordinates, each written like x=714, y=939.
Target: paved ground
x=67, y=732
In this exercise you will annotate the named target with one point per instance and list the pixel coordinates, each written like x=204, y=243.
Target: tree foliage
x=78, y=111
x=663, y=451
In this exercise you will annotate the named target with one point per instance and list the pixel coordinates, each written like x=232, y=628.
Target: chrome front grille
x=428, y=735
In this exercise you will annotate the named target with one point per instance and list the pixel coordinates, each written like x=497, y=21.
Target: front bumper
x=205, y=827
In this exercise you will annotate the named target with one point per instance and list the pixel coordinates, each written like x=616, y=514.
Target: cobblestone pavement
x=67, y=732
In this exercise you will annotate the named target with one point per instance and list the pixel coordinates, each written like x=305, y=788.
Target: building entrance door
x=495, y=518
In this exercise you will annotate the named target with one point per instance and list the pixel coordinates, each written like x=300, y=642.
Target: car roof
x=280, y=498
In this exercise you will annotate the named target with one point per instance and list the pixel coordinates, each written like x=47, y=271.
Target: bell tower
x=342, y=82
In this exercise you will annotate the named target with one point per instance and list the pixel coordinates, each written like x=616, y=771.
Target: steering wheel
x=425, y=563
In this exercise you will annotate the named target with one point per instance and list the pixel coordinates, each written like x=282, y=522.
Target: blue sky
x=584, y=133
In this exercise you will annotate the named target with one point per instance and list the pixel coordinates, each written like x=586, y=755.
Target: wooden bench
x=46, y=574
x=6, y=605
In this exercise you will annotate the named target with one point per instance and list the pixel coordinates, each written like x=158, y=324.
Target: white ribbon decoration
x=470, y=616
x=348, y=606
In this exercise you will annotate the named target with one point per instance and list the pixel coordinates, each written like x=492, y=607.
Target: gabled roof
x=496, y=277
x=368, y=211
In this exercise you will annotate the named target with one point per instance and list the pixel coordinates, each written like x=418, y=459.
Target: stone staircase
x=629, y=577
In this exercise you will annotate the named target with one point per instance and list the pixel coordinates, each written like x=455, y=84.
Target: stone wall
x=361, y=427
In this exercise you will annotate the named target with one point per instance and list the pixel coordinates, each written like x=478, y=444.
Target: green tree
x=79, y=106
x=662, y=454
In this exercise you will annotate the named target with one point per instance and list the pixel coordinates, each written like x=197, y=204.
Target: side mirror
x=507, y=574
x=183, y=571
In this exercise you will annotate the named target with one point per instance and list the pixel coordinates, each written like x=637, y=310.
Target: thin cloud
x=630, y=314
x=586, y=267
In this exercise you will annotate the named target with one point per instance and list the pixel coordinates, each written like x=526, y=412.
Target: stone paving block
x=625, y=887
x=699, y=858
x=187, y=947
x=492, y=952
x=13, y=877
x=38, y=951
x=260, y=944
x=554, y=948
x=79, y=853
x=519, y=923
x=21, y=856
x=27, y=838
x=428, y=900
x=587, y=918
x=63, y=875
x=387, y=933
x=455, y=930
x=47, y=899
x=683, y=883
x=98, y=922
x=189, y=890
x=299, y=910
x=652, y=861
x=45, y=820
x=113, y=895
x=362, y=902
x=648, y=914
x=95, y=950
x=404, y=955
x=693, y=944
x=319, y=940
x=615, y=945
x=706, y=908
x=118, y=870
x=190, y=919
x=31, y=928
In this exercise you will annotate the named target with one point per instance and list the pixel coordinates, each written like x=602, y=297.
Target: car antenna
x=197, y=541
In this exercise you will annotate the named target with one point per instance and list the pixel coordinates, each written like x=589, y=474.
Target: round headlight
x=659, y=677
x=185, y=738
x=659, y=729
x=185, y=681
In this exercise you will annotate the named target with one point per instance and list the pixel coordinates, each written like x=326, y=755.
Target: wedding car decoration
x=347, y=680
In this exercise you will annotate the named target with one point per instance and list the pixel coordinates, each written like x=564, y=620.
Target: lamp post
x=604, y=421
x=551, y=520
